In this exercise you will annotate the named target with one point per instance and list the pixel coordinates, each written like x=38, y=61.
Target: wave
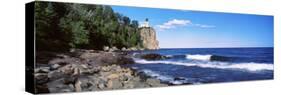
x=199, y=57
x=166, y=78
x=206, y=57
x=251, y=66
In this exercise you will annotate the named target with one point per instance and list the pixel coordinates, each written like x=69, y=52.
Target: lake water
x=208, y=65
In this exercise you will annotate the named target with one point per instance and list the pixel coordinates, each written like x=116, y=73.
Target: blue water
x=208, y=65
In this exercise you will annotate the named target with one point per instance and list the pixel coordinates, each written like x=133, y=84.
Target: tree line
x=60, y=26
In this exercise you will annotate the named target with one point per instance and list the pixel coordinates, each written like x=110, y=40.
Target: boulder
x=55, y=66
x=41, y=78
x=57, y=86
x=133, y=49
x=113, y=76
x=124, y=49
x=76, y=71
x=138, y=84
x=105, y=69
x=106, y=58
x=64, y=61
x=114, y=84
x=67, y=69
x=128, y=85
x=125, y=60
x=85, y=84
x=154, y=82
x=42, y=70
x=105, y=48
x=55, y=75
x=153, y=56
x=101, y=86
x=69, y=80
x=179, y=78
x=114, y=48
x=42, y=89
x=78, y=86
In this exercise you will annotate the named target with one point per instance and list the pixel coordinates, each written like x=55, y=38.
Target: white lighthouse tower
x=145, y=23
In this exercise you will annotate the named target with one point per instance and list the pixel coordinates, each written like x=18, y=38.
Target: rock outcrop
x=90, y=71
x=153, y=56
x=148, y=38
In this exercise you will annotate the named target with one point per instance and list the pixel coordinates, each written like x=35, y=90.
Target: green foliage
x=73, y=22
x=48, y=34
x=60, y=26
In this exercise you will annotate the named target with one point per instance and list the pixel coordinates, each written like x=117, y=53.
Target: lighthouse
x=145, y=23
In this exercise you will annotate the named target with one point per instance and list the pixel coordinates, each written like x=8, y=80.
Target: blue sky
x=195, y=29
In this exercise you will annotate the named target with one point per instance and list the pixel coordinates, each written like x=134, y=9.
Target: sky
x=197, y=29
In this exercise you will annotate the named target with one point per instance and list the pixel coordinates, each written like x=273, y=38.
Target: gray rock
x=124, y=49
x=42, y=70
x=41, y=78
x=101, y=86
x=42, y=88
x=55, y=66
x=85, y=83
x=89, y=55
x=69, y=80
x=106, y=58
x=55, y=74
x=125, y=60
x=140, y=85
x=113, y=76
x=128, y=85
x=133, y=49
x=78, y=86
x=114, y=48
x=57, y=86
x=137, y=78
x=114, y=84
x=152, y=81
x=161, y=85
x=97, y=82
x=72, y=50
x=93, y=88
x=71, y=86
x=105, y=48
x=110, y=50
x=67, y=69
x=153, y=56
x=104, y=74
x=64, y=61
x=62, y=56
x=76, y=72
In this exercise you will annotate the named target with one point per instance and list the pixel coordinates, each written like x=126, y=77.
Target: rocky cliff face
x=148, y=38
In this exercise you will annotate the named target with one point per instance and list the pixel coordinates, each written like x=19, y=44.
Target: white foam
x=169, y=55
x=252, y=66
x=157, y=75
x=220, y=65
x=163, y=78
x=199, y=57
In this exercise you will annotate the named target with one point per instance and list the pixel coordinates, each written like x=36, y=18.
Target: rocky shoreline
x=88, y=70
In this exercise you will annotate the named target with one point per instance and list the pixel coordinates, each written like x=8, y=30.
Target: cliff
x=148, y=38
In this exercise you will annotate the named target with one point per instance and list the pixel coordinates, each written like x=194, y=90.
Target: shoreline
x=93, y=70
x=88, y=70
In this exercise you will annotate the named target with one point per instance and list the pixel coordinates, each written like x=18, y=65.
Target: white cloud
x=204, y=26
x=180, y=22
x=174, y=23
